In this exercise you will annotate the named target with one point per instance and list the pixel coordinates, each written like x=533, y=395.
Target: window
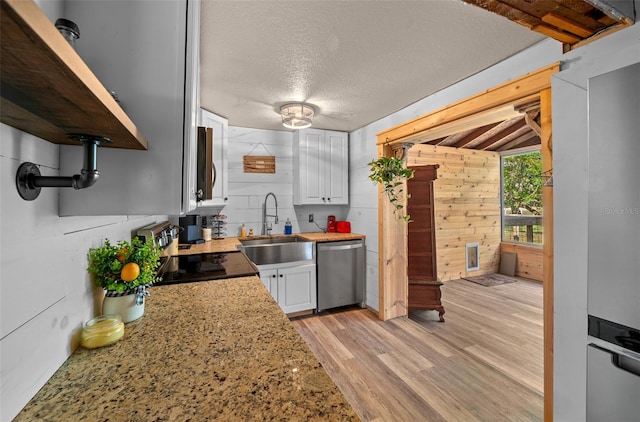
x=522, y=197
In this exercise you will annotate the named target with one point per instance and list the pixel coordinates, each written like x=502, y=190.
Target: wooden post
x=547, y=251
x=530, y=233
x=392, y=256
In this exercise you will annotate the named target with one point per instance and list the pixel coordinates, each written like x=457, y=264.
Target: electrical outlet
x=310, y=218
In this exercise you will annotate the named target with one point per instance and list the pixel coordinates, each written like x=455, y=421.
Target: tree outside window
x=522, y=198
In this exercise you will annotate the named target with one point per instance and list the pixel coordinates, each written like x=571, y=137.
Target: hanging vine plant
x=390, y=172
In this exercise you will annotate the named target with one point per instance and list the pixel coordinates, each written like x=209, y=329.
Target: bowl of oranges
x=124, y=270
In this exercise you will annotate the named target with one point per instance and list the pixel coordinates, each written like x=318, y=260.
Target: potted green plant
x=390, y=172
x=125, y=270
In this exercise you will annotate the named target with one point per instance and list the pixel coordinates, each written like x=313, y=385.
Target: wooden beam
x=624, y=23
x=473, y=135
x=567, y=24
x=495, y=115
x=530, y=119
x=547, y=252
x=505, y=132
x=519, y=140
x=557, y=34
x=520, y=89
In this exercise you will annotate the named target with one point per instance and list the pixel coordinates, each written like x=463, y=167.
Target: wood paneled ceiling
x=513, y=133
x=568, y=21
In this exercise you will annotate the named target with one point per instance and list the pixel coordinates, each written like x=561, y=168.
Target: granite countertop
x=228, y=244
x=218, y=349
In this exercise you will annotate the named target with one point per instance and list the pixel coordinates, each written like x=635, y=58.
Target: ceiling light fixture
x=297, y=115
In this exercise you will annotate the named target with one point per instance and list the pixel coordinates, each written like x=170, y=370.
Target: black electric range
x=204, y=266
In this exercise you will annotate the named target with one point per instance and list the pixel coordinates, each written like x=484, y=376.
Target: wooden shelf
x=46, y=88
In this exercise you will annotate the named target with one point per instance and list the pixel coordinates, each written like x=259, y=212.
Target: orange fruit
x=130, y=271
x=121, y=255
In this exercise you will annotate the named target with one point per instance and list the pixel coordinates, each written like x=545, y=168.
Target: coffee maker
x=190, y=229
x=331, y=224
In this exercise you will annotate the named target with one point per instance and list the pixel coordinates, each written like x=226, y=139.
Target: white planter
x=125, y=306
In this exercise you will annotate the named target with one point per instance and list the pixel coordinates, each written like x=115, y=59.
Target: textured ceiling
x=356, y=61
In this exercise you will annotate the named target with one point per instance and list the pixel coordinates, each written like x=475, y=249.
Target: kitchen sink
x=291, y=250
x=268, y=241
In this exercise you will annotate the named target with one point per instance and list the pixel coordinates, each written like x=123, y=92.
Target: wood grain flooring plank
x=327, y=339
x=483, y=364
x=384, y=396
x=356, y=387
x=398, y=398
x=526, y=376
x=481, y=392
x=425, y=341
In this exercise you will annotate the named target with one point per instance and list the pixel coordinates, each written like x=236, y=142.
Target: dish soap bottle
x=243, y=231
x=287, y=227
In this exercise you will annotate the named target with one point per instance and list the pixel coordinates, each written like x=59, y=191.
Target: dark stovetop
x=205, y=266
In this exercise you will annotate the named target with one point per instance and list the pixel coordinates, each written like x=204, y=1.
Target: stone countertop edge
x=219, y=349
x=228, y=244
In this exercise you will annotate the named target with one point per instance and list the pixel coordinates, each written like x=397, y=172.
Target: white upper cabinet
x=147, y=53
x=321, y=167
x=220, y=128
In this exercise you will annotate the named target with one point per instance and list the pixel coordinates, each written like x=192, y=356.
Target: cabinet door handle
x=214, y=176
x=274, y=276
x=329, y=199
x=281, y=276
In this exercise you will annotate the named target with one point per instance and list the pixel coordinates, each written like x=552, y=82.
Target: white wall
x=45, y=292
x=364, y=211
x=247, y=191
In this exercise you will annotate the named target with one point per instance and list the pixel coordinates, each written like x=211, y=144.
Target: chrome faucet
x=266, y=226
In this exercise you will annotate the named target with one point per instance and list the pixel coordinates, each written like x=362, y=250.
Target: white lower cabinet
x=293, y=286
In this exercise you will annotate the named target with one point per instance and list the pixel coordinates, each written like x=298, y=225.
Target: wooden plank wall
x=529, y=260
x=467, y=206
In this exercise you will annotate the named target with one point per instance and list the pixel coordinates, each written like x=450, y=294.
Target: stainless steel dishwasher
x=341, y=274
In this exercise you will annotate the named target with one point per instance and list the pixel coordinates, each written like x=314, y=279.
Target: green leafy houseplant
x=107, y=262
x=390, y=173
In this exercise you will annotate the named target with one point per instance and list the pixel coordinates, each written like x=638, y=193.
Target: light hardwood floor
x=485, y=363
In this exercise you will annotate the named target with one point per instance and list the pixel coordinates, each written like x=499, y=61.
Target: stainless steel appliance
x=204, y=266
x=613, y=302
x=341, y=274
x=162, y=233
